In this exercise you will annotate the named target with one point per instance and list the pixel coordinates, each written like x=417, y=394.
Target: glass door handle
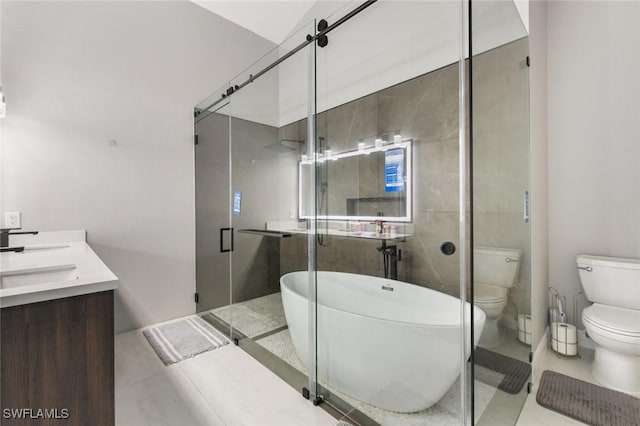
x=222, y=249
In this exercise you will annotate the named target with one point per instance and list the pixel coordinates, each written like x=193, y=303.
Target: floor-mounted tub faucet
x=391, y=255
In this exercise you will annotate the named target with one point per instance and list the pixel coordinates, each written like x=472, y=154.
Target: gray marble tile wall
x=426, y=110
x=266, y=175
x=501, y=156
x=267, y=179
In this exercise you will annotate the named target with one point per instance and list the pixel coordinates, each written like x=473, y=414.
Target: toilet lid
x=489, y=293
x=614, y=319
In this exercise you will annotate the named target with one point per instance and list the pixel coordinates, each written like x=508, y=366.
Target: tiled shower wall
x=425, y=109
x=501, y=157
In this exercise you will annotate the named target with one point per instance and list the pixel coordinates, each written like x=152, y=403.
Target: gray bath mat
x=516, y=373
x=587, y=402
x=182, y=339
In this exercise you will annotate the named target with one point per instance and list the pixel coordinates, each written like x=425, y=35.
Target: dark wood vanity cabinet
x=57, y=361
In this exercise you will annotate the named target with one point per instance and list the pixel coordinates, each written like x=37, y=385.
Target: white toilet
x=613, y=321
x=495, y=271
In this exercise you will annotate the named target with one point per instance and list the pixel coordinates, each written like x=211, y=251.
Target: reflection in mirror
x=368, y=183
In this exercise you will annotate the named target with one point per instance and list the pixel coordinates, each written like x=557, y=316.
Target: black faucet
x=4, y=239
x=14, y=249
x=391, y=255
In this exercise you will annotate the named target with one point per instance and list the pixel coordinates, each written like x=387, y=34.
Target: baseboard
x=541, y=350
x=585, y=341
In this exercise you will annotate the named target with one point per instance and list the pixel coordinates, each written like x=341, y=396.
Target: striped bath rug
x=516, y=373
x=183, y=339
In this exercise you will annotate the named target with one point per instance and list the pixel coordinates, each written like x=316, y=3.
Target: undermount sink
x=41, y=275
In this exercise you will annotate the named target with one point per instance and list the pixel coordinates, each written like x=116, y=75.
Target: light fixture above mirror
x=370, y=183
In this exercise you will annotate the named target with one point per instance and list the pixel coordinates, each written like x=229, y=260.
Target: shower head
x=285, y=145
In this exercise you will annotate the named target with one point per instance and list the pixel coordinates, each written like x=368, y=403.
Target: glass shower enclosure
x=499, y=117
x=246, y=189
x=333, y=214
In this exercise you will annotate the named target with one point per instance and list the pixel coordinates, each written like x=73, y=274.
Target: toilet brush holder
x=564, y=338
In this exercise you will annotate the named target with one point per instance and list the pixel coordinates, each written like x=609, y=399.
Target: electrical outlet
x=12, y=219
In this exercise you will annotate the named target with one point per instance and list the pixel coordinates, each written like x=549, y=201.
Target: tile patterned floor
x=253, y=317
x=265, y=314
x=222, y=387
x=512, y=347
x=228, y=387
x=580, y=368
x=445, y=412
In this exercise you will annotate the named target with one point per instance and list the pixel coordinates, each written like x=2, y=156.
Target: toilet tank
x=496, y=266
x=611, y=281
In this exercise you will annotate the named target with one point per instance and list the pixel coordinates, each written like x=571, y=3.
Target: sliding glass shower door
x=391, y=208
x=501, y=234
x=252, y=137
x=211, y=161
x=333, y=210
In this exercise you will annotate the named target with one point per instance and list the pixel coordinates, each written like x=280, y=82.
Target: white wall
x=422, y=36
x=78, y=75
x=594, y=134
x=523, y=11
x=272, y=20
x=539, y=183
x=2, y=224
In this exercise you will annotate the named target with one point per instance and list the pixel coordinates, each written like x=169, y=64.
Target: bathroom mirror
x=372, y=182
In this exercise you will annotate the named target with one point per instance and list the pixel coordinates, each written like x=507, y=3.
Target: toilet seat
x=620, y=324
x=484, y=293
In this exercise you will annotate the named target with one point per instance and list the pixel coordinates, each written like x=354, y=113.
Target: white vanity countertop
x=50, y=252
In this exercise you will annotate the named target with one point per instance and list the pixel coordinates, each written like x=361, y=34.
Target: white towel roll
x=564, y=338
x=524, y=328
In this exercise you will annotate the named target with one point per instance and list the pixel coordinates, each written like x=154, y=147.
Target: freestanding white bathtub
x=396, y=349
